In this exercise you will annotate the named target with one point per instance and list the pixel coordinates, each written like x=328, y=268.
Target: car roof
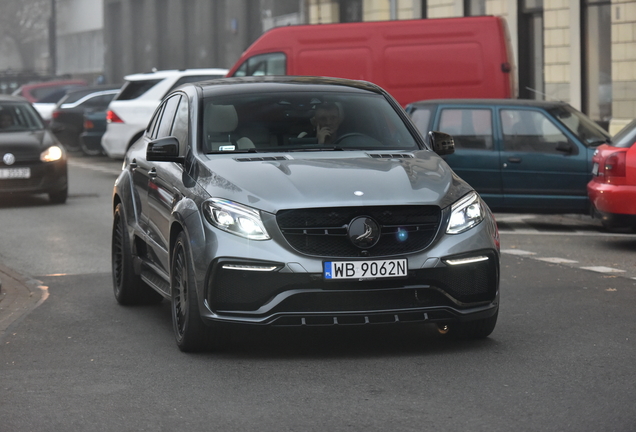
x=93, y=89
x=510, y=102
x=174, y=72
x=33, y=85
x=10, y=98
x=284, y=83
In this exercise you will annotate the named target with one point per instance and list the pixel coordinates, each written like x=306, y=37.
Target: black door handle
x=133, y=164
x=152, y=173
x=514, y=159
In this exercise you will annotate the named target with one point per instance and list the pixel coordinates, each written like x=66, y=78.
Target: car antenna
x=546, y=96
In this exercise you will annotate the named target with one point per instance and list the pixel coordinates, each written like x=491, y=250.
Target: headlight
x=465, y=214
x=51, y=154
x=235, y=218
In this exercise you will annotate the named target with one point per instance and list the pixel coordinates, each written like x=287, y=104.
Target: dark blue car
x=520, y=155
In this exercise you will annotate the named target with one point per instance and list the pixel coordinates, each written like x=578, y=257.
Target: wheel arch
x=135, y=138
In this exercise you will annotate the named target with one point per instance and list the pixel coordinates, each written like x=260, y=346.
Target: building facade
x=580, y=51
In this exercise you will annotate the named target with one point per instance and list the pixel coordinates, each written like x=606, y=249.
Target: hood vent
x=260, y=159
x=391, y=155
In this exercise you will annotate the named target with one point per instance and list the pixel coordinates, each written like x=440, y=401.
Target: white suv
x=129, y=112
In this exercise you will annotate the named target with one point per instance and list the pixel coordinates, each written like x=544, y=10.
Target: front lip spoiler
x=414, y=315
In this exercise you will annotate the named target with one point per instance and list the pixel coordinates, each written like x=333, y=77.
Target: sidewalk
x=18, y=296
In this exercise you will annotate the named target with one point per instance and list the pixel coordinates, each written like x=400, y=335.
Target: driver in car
x=326, y=121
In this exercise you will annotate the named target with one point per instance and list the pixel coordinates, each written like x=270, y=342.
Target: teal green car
x=520, y=155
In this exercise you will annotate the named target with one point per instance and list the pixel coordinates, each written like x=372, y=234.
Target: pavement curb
x=18, y=296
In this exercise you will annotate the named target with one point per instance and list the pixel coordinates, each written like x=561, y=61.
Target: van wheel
x=478, y=329
x=191, y=333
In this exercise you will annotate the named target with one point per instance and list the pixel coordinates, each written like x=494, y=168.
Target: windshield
x=580, y=125
x=303, y=121
x=626, y=137
x=18, y=117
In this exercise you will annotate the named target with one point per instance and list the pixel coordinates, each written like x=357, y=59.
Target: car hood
x=331, y=179
x=25, y=145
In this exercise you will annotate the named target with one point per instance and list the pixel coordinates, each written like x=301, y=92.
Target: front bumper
x=437, y=294
x=45, y=178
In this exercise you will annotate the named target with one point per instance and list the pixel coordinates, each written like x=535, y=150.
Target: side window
x=530, y=131
x=154, y=121
x=94, y=102
x=264, y=64
x=165, y=124
x=180, y=128
x=470, y=127
x=422, y=118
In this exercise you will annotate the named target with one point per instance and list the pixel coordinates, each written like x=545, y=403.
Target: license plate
x=365, y=269
x=15, y=173
x=595, y=168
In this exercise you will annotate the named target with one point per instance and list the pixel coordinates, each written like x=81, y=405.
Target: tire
x=128, y=287
x=191, y=333
x=88, y=151
x=58, y=197
x=478, y=329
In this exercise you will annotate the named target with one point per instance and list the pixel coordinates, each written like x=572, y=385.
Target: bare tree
x=25, y=22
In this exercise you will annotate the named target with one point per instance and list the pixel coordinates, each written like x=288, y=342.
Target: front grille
x=323, y=231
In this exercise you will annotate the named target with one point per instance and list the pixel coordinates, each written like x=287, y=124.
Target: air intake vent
x=260, y=159
x=391, y=155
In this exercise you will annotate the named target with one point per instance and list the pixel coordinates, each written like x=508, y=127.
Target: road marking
x=557, y=260
x=563, y=233
x=107, y=170
x=517, y=252
x=602, y=269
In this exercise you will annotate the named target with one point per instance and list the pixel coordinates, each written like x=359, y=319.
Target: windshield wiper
x=310, y=149
x=249, y=150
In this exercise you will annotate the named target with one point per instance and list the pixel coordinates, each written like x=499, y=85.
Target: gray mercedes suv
x=299, y=201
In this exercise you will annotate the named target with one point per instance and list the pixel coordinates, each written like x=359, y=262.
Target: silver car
x=298, y=201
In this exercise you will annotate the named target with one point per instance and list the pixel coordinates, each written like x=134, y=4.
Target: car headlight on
x=465, y=214
x=51, y=154
x=235, y=218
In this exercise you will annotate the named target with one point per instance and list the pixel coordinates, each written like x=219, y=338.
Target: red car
x=612, y=190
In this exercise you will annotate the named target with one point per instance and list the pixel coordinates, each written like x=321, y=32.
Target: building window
x=474, y=7
x=597, y=60
x=350, y=11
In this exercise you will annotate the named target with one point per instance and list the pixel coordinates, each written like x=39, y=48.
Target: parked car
x=230, y=207
x=93, y=130
x=520, y=155
x=45, y=95
x=67, y=120
x=612, y=190
x=32, y=160
x=35, y=92
x=132, y=107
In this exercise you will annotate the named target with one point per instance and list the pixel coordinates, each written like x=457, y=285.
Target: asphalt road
x=560, y=359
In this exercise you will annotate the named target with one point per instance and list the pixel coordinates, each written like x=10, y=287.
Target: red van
x=467, y=57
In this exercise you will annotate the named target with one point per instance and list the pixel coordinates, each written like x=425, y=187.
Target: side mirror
x=441, y=143
x=164, y=150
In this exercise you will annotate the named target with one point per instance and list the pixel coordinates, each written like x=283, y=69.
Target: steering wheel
x=350, y=135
